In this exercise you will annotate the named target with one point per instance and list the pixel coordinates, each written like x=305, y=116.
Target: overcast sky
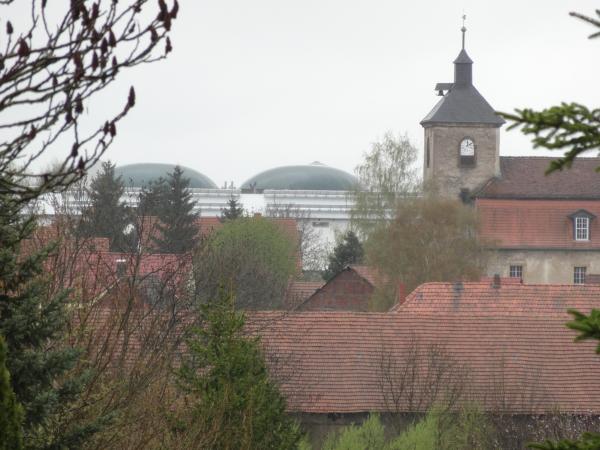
x=256, y=84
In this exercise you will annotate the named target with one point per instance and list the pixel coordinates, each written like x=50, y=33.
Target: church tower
x=462, y=135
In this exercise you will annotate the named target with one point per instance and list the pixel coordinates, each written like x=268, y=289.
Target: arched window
x=467, y=152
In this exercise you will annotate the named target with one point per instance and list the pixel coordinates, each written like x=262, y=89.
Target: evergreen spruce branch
x=570, y=126
x=590, y=20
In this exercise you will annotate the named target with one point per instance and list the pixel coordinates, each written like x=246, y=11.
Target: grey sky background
x=256, y=84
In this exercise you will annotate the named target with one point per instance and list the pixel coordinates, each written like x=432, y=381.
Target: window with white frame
x=515, y=271
x=579, y=275
x=582, y=228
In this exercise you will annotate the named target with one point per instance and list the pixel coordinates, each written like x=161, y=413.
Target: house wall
x=346, y=292
x=444, y=168
x=544, y=266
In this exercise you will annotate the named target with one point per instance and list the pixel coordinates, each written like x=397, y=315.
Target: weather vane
x=464, y=30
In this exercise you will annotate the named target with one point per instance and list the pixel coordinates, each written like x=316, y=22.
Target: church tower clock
x=462, y=135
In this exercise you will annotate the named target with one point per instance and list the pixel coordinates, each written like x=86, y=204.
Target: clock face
x=467, y=147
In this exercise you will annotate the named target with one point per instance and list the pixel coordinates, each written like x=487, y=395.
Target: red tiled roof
x=523, y=177
x=332, y=361
x=511, y=298
x=512, y=341
x=299, y=291
x=369, y=273
x=535, y=223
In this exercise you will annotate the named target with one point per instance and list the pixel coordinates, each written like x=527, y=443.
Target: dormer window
x=582, y=228
x=581, y=225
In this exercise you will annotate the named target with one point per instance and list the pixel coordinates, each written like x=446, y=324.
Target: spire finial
x=464, y=30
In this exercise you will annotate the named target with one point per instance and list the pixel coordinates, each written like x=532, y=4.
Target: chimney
x=121, y=268
x=400, y=293
x=496, y=283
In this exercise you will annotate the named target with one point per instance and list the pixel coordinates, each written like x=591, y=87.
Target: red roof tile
x=536, y=223
x=523, y=177
x=514, y=334
x=299, y=291
x=333, y=361
x=371, y=274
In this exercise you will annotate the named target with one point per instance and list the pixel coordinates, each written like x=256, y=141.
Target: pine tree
x=152, y=198
x=107, y=215
x=233, y=211
x=177, y=221
x=236, y=405
x=33, y=323
x=348, y=251
x=11, y=413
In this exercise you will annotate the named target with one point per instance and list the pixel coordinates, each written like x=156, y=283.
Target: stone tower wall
x=445, y=170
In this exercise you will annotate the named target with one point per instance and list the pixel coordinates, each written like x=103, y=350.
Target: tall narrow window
x=582, y=228
x=515, y=271
x=467, y=152
x=579, y=275
x=427, y=155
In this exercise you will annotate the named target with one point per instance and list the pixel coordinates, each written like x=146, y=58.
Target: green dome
x=315, y=176
x=139, y=175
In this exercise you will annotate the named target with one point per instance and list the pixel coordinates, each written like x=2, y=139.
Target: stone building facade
x=540, y=228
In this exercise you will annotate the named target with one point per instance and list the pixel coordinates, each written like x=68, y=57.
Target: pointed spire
x=464, y=30
x=463, y=64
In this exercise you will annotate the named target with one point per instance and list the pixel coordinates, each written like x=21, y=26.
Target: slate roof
x=523, y=177
x=462, y=104
x=514, y=337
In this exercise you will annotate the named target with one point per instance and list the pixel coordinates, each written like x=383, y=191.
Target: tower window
x=579, y=275
x=427, y=155
x=467, y=152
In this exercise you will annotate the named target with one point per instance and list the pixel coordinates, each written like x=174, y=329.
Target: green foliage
x=33, y=323
x=152, y=197
x=588, y=326
x=11, y=413
x=570, y=126
x=588, y=441
x=252, y=256
x=424, y=435
x=233, y=211
x=387, y=175
x=370, y=435
x=349, y=250
x=466, y=429
x=234, y=404
x=177, y=222
x=576, y=129
x=431, y=239
x=107, y=215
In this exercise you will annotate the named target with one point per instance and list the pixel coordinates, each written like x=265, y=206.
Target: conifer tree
x=33, y=323
x=235, y=404
x=177, y=221
x=107, y=215
x=11, y=413
x=348, y=251
x=152, y=198
x=233, y=211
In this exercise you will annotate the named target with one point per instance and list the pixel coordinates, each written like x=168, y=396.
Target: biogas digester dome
x=310, y=177
x=139, y=175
